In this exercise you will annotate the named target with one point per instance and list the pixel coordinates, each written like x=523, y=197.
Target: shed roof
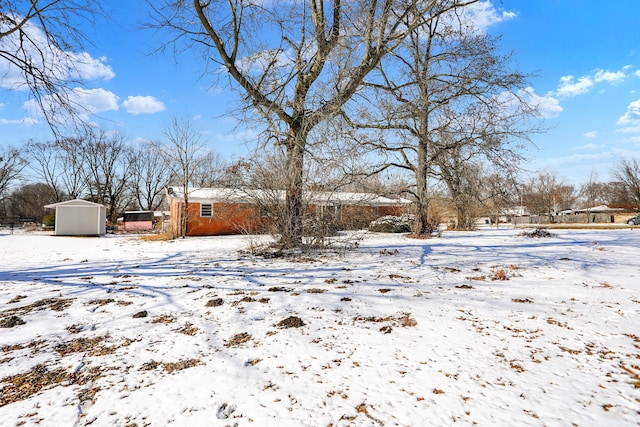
x=74, y=202
x=131, y=216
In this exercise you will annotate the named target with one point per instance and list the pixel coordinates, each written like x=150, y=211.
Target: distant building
x=79, y=218
x=138, y=220
x=219, y=211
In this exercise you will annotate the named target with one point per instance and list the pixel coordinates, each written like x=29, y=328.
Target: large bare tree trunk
x=296, y=64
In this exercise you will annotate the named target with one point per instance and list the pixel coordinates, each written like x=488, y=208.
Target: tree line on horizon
x=406, y=97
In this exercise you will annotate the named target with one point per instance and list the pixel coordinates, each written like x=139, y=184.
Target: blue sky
x=585, y=56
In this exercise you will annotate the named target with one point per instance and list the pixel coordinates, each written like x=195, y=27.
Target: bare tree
x=149, y=175
x=628, y=173
x=444, y=98
x=462, y=178
x=45, y=161
x=295, y=63
x=108, y=171
x=11, y=166
x=209, y=170
x=182, y=152
x=27, y=201
x=546, y=195
x=39, y=45
x=71, y=152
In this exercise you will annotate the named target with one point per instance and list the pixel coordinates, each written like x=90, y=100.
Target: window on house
x=206, y=210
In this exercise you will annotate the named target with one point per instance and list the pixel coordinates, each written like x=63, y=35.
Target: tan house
x=220, y=211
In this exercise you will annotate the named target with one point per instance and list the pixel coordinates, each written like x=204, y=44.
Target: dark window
x=206, y=210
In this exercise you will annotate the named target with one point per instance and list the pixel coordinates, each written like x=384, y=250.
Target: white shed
x=79, y=218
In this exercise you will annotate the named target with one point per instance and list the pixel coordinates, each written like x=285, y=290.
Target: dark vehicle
x=634, y=221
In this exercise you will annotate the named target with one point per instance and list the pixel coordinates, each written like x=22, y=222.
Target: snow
x=474, y=328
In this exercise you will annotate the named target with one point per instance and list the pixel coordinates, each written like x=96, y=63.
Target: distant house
x=602, y=213
x=138, y=221
x=79, y=218
x=220, y=211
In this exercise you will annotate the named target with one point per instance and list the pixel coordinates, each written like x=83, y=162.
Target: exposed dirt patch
x=189, y=329
x=11, y=322
x=280, y=289
x=217, y=302
x=164, y=318
x=315, y=291
x=150, y=365
x=291, y=322
x=238, y=339
x=405, y=321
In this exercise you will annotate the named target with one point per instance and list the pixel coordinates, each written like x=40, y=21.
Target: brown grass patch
x=100, y=302
x=79, y=345
x=164, y=318
x=16, y=299
x=55, y=304
x=157, y=237
x=189, y=329
x=22, y=386
x=180, y=365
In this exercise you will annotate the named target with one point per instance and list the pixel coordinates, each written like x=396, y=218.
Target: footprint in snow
x=224, y=411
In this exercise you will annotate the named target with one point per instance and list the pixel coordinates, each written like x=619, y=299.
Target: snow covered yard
x=483, y=328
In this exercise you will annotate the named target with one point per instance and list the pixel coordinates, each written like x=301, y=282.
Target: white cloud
x=547, y=106
x=631, y=117
x=96, y=100
x=60, y=65
x=25, y=121
x=609, y=76
x=630, y=120
x=587, y=147
x=484, y=14
x=570, y=86
x=143, y=105
x=591, y=134
x=88, y=101
x=88, y=68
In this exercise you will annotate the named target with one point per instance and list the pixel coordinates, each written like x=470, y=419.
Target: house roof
x=74, y=202
x=600, y=209
x=220, y=195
